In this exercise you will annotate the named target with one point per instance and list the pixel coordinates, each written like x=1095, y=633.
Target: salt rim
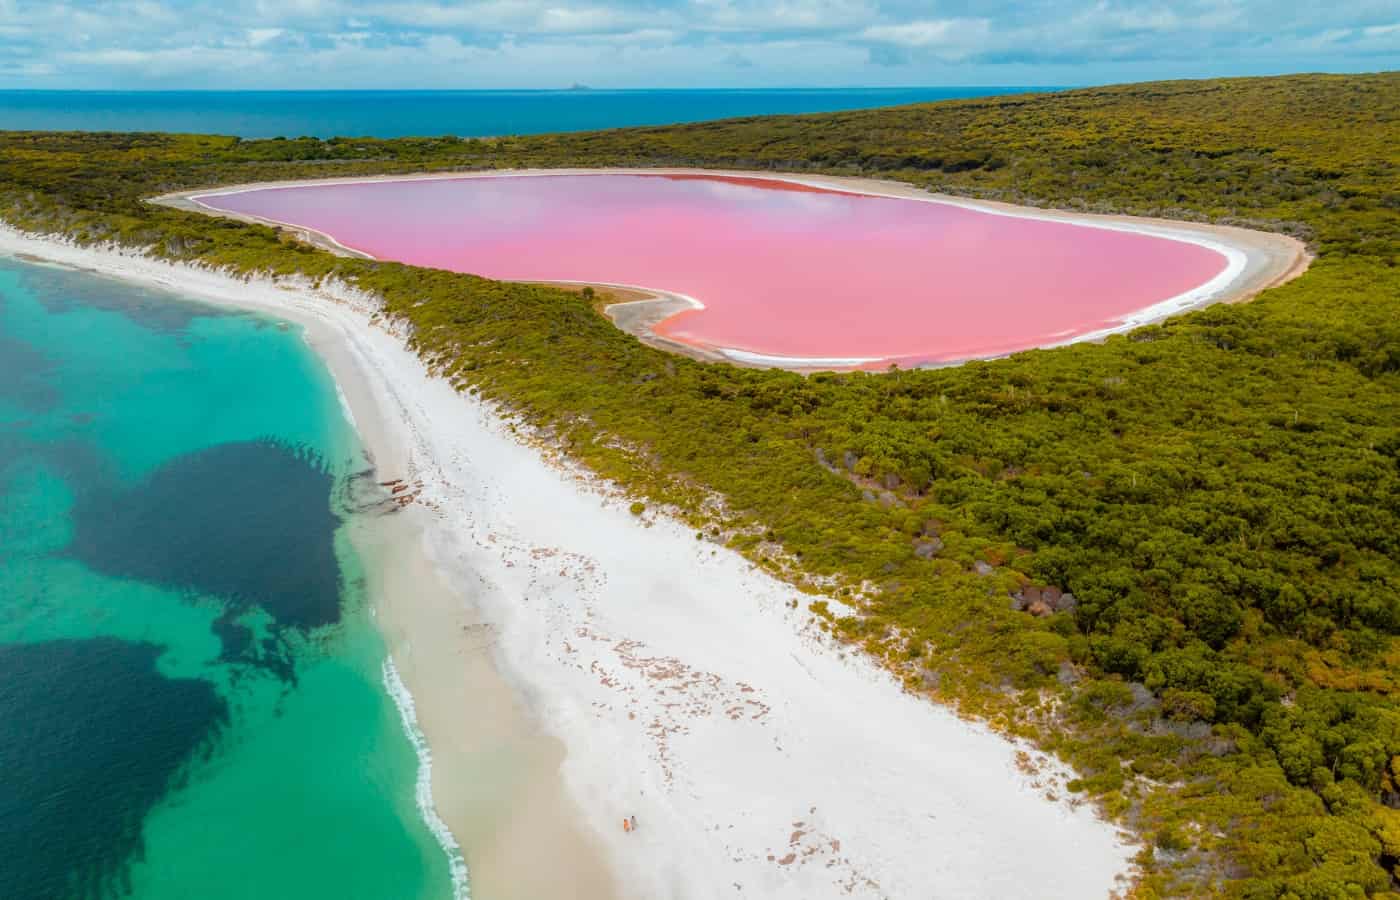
x=1236, y=260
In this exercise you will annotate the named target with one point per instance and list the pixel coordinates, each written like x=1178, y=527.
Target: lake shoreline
x=1255, y=260
x=619, y=666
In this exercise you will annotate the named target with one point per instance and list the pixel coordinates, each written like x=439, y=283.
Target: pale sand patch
x=1257, y=260
x=495, y=775
x=495, y=771
x=686, y=687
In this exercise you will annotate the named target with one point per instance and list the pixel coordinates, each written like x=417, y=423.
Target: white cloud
x=520, y=17
x=338, y=43
x=783, y=15
x=941, y=33
x=259, y=36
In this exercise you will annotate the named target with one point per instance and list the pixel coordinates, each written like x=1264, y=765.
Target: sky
x=283, y=44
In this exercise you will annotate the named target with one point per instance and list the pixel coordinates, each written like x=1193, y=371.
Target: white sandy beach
x=573, y=664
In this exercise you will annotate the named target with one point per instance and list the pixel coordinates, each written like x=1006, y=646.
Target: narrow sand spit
x=1257, y=260
x=573, y=664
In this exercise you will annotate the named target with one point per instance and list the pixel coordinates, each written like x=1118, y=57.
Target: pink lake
x=783, y=270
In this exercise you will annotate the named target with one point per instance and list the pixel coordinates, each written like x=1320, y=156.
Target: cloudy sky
x=678, y=43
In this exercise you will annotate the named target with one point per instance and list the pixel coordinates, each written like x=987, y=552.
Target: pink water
x=782, y=269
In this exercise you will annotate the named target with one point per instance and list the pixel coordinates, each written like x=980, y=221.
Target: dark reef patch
x=250, y=522
x=63, y=290
x=24, y=371
x=94, y=737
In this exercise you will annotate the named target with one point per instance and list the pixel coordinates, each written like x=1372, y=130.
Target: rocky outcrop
x=927, y=548
x=1043, y=600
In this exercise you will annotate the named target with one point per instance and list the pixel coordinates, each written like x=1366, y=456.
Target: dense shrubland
x=1219, y=495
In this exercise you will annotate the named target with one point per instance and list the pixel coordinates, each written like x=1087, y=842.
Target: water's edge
x=423, y=790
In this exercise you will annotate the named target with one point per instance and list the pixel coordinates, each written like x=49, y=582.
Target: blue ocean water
x=192, y=697
x=387, y=114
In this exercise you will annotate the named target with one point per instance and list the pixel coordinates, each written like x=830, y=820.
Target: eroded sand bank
x=573, y=664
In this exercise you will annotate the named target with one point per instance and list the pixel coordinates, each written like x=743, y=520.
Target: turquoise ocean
x=192, y=690
x=387, y=114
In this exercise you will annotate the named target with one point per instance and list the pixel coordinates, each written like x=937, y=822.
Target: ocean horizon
x=472, y=113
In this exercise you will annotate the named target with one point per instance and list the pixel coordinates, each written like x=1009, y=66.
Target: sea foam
x=423, y=791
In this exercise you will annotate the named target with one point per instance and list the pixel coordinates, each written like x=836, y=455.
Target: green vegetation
x=1219, y=493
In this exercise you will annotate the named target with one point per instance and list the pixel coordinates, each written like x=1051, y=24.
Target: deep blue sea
x=386, y=114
